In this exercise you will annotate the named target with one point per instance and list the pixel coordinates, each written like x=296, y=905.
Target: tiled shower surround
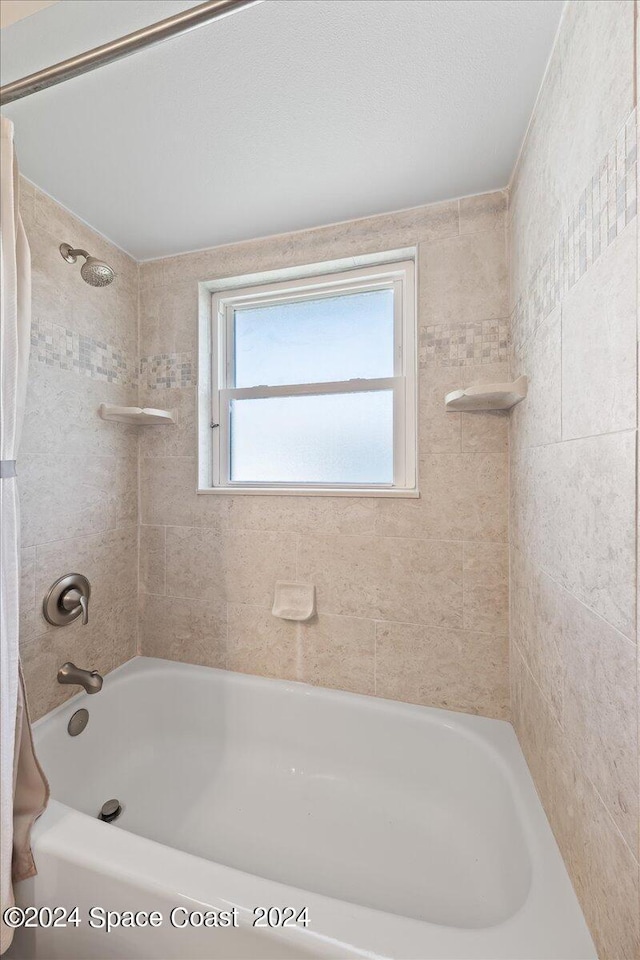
x=574, y=261
x=412, y=594
x=78, y=474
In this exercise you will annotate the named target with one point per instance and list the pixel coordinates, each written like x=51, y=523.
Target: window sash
x=329, y=291
x=395, y=384
x=403, y=383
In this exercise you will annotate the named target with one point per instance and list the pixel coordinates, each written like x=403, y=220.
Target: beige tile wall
x=78, y=474
x=412, y=594
x=574, y=297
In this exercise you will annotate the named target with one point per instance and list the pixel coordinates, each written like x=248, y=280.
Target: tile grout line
x=574, y=596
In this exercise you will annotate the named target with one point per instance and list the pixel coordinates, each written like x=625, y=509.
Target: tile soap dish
x=294, y=601
x=135, y=415
x=488, y=396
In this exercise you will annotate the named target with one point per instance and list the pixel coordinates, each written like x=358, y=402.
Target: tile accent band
x=167, y=370
x=482, y=341
x=605, y=207
x=56, y=346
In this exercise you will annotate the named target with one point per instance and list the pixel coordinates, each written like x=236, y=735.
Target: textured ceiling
x=285, y=115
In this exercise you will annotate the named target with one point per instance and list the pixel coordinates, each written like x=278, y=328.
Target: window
x=313, y=384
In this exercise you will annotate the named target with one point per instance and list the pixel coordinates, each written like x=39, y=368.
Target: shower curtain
x=23, y=787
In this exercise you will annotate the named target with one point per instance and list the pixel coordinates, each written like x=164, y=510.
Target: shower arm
x=122, y=47
x=71, y=254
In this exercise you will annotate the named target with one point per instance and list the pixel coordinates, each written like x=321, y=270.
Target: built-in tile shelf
x=136, y=415
x=487, y=396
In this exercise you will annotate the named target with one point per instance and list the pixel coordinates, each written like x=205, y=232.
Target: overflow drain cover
x=78, y=722
x=110, y=810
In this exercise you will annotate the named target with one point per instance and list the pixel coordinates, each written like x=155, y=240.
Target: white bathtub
x=407, y=832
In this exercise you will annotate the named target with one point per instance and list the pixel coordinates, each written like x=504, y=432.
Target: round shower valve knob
x=67, y=599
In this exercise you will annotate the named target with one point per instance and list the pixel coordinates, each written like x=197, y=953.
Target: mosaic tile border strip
x=606, y=206
x=482, y=341
x=56, y=346
x=163, y=370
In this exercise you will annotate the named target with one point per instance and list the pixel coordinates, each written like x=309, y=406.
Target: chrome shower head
x=95, y=272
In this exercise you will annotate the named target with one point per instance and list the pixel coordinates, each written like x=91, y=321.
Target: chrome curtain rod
x=117, y=49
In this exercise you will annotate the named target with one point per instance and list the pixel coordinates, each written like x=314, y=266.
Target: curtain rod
x=122, y=47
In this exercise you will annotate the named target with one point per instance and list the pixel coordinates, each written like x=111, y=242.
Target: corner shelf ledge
x=136, y=415
x=488, y=396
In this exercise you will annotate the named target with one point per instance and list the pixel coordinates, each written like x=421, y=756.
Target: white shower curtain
x=23, y=787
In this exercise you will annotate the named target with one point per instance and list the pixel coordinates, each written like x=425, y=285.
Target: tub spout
x=89, y=679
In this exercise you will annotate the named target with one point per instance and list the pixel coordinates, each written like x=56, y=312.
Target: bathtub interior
x=400, y=809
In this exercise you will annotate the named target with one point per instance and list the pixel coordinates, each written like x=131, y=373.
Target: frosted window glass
x=315, y=341
x=327, y=438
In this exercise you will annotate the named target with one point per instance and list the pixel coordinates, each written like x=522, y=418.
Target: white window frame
x=399, y=276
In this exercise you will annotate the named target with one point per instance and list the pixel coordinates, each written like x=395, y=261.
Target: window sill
x=310, y=492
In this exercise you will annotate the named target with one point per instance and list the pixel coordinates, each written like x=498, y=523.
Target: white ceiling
x=287, y=114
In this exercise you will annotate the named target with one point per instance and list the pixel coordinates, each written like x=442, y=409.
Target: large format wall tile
x=108, y=560
x=385, y=578
x=65, y=497
x=42, y=657
x=327, y=650
x=28, y=620
x=539, y=419
x=61, y=416
x=604, y=870
x=536, y=625
x=151, y=567
x=444, y=431
x=465, y=279
x=261, y=644
x=194, y=631
x=463, y=497
x=453, y=669
x=168, y=318
x=168, y=495
x=303, y=515
x=485, y=569
x=338, y=652
x=586, y=671
x=487, y=211
x=239, y=567
x=168, y=490
x=599, y=703
x=599, y=318
x=579, y=520
x=164, y=440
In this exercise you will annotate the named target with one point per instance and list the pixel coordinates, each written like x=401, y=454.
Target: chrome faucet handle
x=70, y=599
